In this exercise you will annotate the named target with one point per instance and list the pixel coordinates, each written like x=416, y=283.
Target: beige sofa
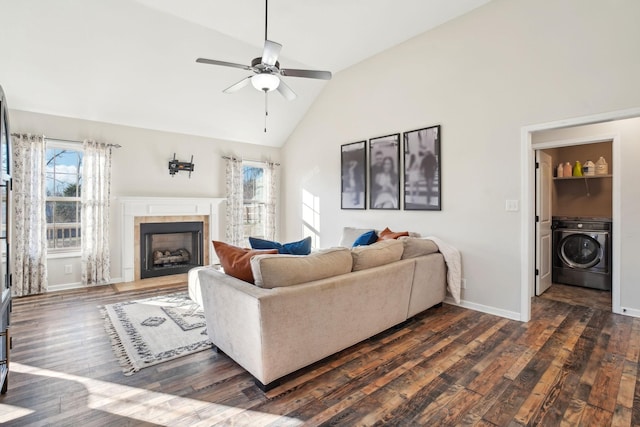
x=305, y=308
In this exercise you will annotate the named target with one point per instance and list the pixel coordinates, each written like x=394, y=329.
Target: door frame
x=527, y=217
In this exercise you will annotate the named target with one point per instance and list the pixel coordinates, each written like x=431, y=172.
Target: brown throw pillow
x=236, y=261
x=388, y=234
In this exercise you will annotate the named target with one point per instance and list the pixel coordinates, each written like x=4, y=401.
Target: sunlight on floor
x=10, y=412
x=151, y=406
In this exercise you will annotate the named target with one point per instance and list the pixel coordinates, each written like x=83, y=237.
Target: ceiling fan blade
x=310, y=74
x=286, y=91
x=237, y=86
x=223, y=63
x=271, y=52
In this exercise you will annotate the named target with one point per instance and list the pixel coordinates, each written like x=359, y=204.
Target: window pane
x=63, y=178
x=253, y=183
x=50, y=183
x=65, y=212
x=64, y=237
x=254, y=206
x=68, y=185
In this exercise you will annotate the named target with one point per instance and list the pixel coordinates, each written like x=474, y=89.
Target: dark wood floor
x=571, y=365
x=578, y=295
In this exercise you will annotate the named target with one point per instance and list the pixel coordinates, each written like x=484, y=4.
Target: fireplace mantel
x=136, y=207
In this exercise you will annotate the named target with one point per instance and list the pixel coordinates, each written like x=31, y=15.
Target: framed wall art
x=384, y=172
x=353, y=167
x=422, y=183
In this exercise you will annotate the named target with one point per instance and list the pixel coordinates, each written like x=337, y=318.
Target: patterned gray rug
x=149, y=331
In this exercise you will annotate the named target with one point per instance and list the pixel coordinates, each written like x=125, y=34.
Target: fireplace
x=136, y=211
x=170, y=247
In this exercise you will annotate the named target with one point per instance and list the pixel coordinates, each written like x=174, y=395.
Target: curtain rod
x=249, y=160
x=80, y=142
x=69, y=140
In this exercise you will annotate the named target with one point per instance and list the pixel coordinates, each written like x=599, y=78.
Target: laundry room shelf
x=568, y=178
x=585, y=178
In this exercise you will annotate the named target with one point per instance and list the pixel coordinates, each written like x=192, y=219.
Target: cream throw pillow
x=272, y=271
x=379, y=253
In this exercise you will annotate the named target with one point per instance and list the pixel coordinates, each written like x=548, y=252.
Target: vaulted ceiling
x=132, y=62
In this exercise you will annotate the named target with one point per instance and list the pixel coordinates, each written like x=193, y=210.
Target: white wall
x=140, y=168
x=483, y=77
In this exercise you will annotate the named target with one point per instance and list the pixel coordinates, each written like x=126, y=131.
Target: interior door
x=544, y=178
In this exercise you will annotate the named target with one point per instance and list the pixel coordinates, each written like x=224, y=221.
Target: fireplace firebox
x=170, y=248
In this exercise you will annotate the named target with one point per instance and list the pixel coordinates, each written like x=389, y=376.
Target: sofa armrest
x=429, y=285
x=232, y=312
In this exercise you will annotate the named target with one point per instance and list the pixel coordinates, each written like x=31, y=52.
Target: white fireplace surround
x=132, y=207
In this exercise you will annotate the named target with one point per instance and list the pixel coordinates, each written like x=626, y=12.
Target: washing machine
x=582, y=252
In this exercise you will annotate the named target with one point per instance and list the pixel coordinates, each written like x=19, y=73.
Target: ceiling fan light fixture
x=265, y=82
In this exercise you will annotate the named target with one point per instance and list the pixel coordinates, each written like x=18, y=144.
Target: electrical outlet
x=463, y=283
x=68, y=269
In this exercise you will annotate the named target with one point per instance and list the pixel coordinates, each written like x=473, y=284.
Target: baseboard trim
x=484, y=308
x=64, y=287
x=77, y=285
x=633, y=312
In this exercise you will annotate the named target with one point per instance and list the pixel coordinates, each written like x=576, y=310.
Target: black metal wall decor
x=176, y=166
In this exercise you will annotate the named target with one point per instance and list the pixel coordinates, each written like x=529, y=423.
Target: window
x=64, y=184
x=254, y=195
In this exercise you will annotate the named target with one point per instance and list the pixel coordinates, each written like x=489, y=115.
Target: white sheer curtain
x=29, y=215
x=235, y=201
x=271, y=188
x=95, y=192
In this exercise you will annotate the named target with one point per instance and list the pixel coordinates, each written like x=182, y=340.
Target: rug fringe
x=125, y=362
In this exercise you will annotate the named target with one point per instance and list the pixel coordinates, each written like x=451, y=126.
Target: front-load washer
x=582, y=252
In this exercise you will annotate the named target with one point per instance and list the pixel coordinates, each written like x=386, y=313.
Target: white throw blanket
x=454, y=267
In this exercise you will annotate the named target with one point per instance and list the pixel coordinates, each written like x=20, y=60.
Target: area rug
x=149, y=331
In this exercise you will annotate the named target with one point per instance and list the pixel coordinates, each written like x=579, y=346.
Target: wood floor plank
x=571, y=365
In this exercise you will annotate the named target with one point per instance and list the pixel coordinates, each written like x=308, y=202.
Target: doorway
x=607, y=130
x=574, y=210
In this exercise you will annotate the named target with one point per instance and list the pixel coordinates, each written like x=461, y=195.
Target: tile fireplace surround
x=137, y=210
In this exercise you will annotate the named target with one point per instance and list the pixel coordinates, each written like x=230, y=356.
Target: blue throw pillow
x=366, y=239
x=301, y=247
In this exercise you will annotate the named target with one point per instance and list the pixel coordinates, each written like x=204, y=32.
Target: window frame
x=55, y=252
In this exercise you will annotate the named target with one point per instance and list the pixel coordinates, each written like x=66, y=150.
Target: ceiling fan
x=267, y=71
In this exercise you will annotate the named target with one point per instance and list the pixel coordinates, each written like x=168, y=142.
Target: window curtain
x=270, y=199
x=29, y=215
x=95, y=196
x=235, y=201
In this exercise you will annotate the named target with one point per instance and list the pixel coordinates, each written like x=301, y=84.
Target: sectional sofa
x=302, y=309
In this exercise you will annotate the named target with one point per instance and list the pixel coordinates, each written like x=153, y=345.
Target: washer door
x=580, y=251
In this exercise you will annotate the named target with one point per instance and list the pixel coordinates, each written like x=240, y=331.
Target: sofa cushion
x=379, y=253
x=235, y=261
x=415, y=247
x=366, y=238
x=387, y=234
x=272, y=271
x=301, y=247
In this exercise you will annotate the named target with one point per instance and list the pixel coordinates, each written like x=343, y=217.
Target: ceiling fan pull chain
x=266, y=110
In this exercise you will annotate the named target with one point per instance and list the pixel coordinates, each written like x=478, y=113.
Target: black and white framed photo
x=422, y=169
x=384, y=172
x=354, y=188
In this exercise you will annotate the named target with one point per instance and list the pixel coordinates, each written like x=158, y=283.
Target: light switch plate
x=512, y=206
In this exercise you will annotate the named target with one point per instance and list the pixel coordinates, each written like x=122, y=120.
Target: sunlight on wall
x=151, y=406
x=311, y=217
